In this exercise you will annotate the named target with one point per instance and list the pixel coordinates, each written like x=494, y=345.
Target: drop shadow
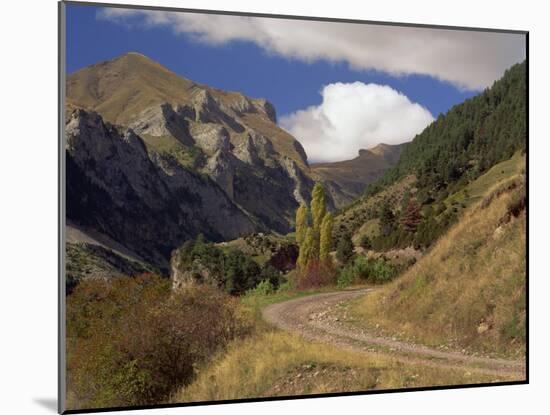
x=48, y=403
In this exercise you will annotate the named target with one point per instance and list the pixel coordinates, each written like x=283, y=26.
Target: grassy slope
x=275, y=363
x=86, y=260
x=469, y=290
x=476, y=190
x=371, y=228
x=122, y=88
x=352, y=218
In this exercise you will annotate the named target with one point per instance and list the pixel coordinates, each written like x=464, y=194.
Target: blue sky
x=252, y=57
x=240, y=66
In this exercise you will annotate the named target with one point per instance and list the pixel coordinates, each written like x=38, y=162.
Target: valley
x=189, y=208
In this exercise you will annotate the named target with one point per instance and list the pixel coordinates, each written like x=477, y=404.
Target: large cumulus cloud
x=354, y=116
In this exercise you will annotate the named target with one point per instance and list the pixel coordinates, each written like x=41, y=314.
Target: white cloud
x=468, y=59
x=355, y=116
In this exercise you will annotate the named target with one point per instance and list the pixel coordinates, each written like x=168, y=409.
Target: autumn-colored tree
x=314, y=229
x=302, y=219
x=318, y=205
x=411, y=216
x=134, y=341
x=307, y=248
x=326, y=236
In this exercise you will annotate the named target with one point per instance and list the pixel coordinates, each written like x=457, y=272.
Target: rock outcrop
x=231, y=138
x=149, y=203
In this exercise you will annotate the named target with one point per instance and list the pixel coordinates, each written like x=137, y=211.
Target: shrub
x=284, y=287
x=263, y=288
x=346, y=277
x=233, y=271
x=133, y=342
x=365, y=242
x=315, y=274
x=344, y=249
x=381, y=271
x=375, y=271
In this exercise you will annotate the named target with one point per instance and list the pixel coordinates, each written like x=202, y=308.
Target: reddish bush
x=316, y=274
x=134, y=341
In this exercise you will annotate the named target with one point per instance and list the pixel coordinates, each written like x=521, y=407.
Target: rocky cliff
x=148, y=202
x=154, y=159
x=226, y=136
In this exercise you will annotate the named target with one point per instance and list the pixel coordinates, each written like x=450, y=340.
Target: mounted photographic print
x=259, y=207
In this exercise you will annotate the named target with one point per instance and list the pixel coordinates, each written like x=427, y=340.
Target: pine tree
x=365, y=242
x=344, y=250
x=302, y=216
x=387, y=220
x=318, y=205
x=326, y=236
x=411, y=217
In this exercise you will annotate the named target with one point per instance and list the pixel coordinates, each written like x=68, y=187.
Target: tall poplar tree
x=326, y=236
x=318, y=205
x=302, y=216
x=307, y=248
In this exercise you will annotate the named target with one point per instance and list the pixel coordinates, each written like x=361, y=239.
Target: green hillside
x=467, y=140
x=468, y=292
x=446, y=160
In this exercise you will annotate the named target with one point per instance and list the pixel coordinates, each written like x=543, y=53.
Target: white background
x=28, y=204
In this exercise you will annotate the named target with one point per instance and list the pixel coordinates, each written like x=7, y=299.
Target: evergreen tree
x=344, y=249
x=302, y=216
x=365, y=242
x=387, y=220
x=326, y=236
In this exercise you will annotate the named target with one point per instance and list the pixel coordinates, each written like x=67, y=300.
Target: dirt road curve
x=307, y=316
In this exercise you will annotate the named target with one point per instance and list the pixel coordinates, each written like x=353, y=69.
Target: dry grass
x=352, y=218
x=468, y=292
x=476, y=190
x=278, y=364
x=371, y=228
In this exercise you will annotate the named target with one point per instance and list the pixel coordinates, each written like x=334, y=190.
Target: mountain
x=229, y=137
x=433, y=175
x=133, y=90
x=470, y=138
x=147, y=202
x=468, y=291
x=345, y=180
x=154, y=159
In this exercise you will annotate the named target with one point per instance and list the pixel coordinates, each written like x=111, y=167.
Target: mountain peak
x=136, y=54
x=136, y=58
x=390, y=152
x=380, y=147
